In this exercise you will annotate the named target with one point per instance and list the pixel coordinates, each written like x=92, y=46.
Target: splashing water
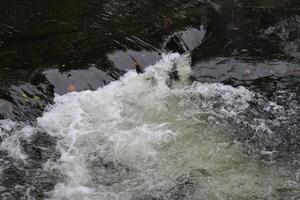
x=147, y=136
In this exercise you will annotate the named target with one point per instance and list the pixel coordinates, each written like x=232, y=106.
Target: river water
x=215, y=115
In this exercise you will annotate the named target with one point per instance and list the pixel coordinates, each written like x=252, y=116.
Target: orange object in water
x=71, y=88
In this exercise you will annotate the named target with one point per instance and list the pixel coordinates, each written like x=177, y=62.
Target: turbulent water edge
x=149, y=136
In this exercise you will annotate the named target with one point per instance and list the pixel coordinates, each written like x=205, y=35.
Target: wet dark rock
x=6, y=109
x=123, y=60
x=30, y=100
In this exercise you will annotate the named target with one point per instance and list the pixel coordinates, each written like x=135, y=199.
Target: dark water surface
x=54, y=47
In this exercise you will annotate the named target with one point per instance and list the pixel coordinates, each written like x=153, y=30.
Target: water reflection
x=89, y=79
x=222, y=69
x=187, y=40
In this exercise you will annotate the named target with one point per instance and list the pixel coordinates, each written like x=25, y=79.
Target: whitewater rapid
x=148, y=136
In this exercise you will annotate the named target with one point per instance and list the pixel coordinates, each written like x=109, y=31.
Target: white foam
x=11, y=142
x=137, y=135
x=6, y=126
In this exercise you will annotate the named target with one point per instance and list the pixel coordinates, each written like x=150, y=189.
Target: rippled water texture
x=215, y=115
